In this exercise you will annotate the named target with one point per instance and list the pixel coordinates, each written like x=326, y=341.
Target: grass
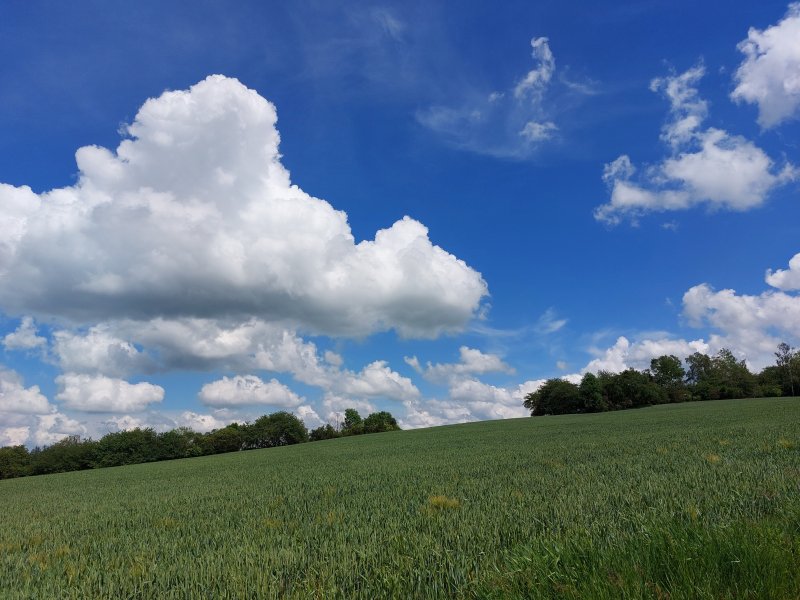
x=681, y=501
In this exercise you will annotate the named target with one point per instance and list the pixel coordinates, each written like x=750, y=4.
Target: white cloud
x=549, y=322
x=515, y=123
x=750, y=325
x=538, y=132
x=98, y=351
x=336, y=404
x=769, y=75
x=637, y=355
x=16, y=398
x=248, y=390
x=97, y=393
x=709, y=166
x=54, y=427
x=786, y=279
x=200, y=422
x=195, y=216
x=309, y=416
x=14, y=436
x=25, y=337
x=472, y=362
x=374, y=381
x=537, y=79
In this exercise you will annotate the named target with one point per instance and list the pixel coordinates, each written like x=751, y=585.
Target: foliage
x=379, y=422
x=705, y=377
x=324, y=432
x=608, y=505
x=353, y=424
x=14, y=462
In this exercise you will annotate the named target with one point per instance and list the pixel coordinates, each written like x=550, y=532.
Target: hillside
x=699, y=500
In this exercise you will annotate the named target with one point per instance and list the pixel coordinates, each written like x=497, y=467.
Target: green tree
x=788, y=360
x=278, y=429
x=380, y=421
x=231, y=438
x=591, y=392
x=323, y=432
x=555, y=397
x=353, y=424
x=668, y=372
x=15, y=461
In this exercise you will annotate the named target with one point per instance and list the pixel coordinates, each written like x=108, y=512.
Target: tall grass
x=678, y=501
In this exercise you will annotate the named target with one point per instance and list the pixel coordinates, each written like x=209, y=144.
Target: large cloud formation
x=770, y=73
x=194, y=215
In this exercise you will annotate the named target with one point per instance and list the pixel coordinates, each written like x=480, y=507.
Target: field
x=695, y=500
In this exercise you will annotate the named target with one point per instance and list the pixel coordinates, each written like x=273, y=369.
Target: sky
x=213, y=212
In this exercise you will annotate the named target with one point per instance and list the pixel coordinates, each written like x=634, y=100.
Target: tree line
x=703, y=377
x=143, y=445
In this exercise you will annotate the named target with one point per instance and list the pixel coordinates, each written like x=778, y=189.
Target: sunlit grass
x=679, y=501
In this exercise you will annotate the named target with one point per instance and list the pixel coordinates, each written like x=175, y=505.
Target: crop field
x=694, y=500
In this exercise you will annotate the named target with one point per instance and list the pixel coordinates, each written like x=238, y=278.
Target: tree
x=591, y=392
x=555, y=397
x=15, y=461
x=668, y=372
x=353, y=424
x=278, y=429
x=786, y=359
x=734, y=378
x=324, y=432
x=701, y=377
x=379, y=422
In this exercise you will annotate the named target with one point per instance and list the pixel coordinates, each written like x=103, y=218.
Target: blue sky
x=587, y=186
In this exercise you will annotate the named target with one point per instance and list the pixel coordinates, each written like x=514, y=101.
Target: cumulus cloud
x=625, y=354
x=14, y=436
x=201, y=423
x=309, y=416
x=769, y=75
x=194, y=216
x=97, y=393
x=786, y=279
x=25, y=337
x=472, y=362
x=16, y=398
x=248, y=390
x=751, y=325
x=54, y=427
x=706, y=166
x=98, y=351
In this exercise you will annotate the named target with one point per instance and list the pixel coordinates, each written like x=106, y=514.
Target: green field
x=694, y=500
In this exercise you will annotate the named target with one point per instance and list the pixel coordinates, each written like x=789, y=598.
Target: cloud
x=14, y=436
x=25, y=337
x=513, y=123
x=786, y=279
x=54, y=427
x=200, y=422
x=309, y=416
x=16, y=398
x=751, y=325
x=472, y=362
x=97, y=393
x=549, y=322
x=769, y=75
x=534, y=84
x=706, y=166
x=625, y=354
x=248, y=390
x=194, y=216
x=98, y=351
